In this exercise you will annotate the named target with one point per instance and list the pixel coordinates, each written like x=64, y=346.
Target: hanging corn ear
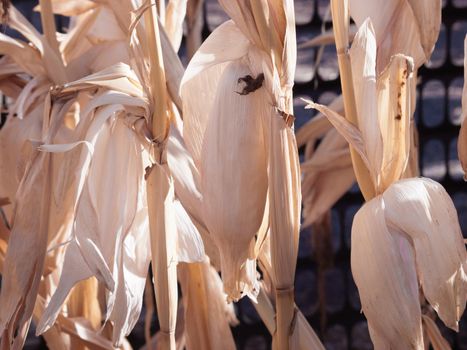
x=270, y=47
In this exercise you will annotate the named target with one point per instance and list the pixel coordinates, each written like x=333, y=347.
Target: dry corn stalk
x=424, y=249
x=221, y=65
x=207, y=315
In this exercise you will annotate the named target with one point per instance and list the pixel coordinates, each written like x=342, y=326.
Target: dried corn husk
x=410, y=240
x=204, y=128
x=270, y=27
x=383, y=142
x=409, y=27
x=234, y=194
x=207, y=314
x=415, y=246
x=434, y=335
x=326, y=176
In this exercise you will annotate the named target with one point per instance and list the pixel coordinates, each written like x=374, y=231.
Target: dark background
x=438, y=117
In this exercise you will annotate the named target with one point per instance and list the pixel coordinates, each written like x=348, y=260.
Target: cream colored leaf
x=434, y=335
x=207, y=326
x=394, y=114
x=396, y=28
x=346, y=129
x=234, y=178
x=428, y=17
x=190, y=247
x=440, y=254
x=175, y=15
x=70, y=7
x=363, y=60
x=200, y=80
x=318, y=125
x=384, y=271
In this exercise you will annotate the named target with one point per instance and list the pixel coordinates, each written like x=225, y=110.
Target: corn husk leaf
x=206, y=317
x=396, y=27
x=29, y=238
x=318, y=126
x=434, y=335
x=198, y=86
x=434, y=229
x=237, y=189
x=327, y=176
x=396, y=286
x=383, y=143
x=121, y=266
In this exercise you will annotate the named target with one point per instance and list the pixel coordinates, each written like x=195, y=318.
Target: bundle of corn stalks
x=113, y=157
x=425, y=251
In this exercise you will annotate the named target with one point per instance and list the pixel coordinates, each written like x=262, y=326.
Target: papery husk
x=318, y=126
x=383, y=143
x=164, y=263
x=434, y=335
x=396, y=27
x=326, y=38
x=201, y=78
x=70, y=7
x=380, y=287
x=20, y=283
x=15, y=150
x=113, y=264
x=394, y=109
x=206, y=310
x=175, y=15
x=187, y=183
x=270, y=26
x=327, y=176
x=462, y=140
x=434, y=230
x=234, y=179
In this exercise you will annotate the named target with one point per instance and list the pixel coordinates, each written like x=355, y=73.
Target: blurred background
x=324, y=290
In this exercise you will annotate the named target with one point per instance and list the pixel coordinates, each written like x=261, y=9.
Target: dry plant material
x=225, y=197
x=425, y=249
x=207, y=314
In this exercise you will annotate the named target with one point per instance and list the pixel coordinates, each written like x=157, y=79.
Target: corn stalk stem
x=160, y=192
x=341, y=20
x=157, y=76
x=307, y=338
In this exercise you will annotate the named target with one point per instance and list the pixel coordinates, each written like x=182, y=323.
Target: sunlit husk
x=385, y=278
x=424, y=250
x=435, y=233
x=327, y=176
x=206, y=310
x=234, y=178
x=397, y=28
